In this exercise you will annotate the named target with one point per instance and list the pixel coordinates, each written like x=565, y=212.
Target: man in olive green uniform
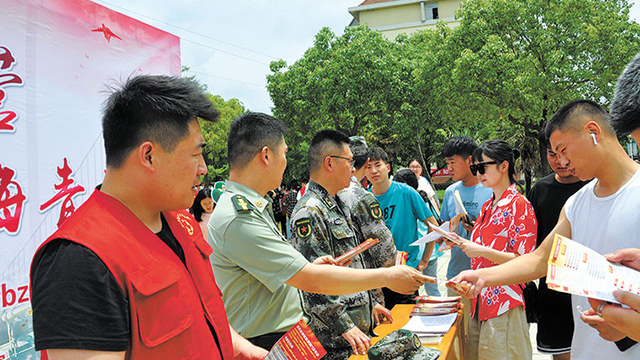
x=366, y=217
x=321, y=227
x=257, y=270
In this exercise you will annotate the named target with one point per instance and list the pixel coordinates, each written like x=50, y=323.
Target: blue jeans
x=431, y=270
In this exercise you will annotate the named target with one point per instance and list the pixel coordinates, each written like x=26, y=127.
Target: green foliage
x=358, y=83
x=215, y=136
x=512, y=63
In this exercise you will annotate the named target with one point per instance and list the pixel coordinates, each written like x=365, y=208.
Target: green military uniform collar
x=244, y=197
x=323, y=194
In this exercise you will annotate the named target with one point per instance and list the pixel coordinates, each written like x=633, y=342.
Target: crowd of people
x=132, y=275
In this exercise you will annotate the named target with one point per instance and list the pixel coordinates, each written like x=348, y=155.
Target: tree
x=215, y=135
x=511, y=64
x=358, y=83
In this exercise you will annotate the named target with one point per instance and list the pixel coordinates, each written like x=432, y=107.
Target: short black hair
x=576, y=109
x=499, y=151
x=461, y=145
x=323, y=142
x=406, y=176
x=294, y=185
x=249, y=133
x=625, y=106
x=377, y=153
x=359, y=161
x=155, y=108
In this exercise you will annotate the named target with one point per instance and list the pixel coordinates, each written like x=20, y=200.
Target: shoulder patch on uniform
x=376, y=213
x=303, y=228
x=240, y=203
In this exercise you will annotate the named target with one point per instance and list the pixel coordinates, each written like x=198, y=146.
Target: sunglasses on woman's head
x=479, y=167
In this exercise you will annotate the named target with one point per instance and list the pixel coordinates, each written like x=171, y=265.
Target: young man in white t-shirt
x=625, y=119
x=603, y=215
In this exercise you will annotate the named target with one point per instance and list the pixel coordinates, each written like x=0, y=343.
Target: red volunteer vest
x=169, y=304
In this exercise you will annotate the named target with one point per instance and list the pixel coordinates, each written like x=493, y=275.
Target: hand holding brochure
x=431, y=236
x=299, y=343
x=346, y=257
x=445, y=234
x=576, y=269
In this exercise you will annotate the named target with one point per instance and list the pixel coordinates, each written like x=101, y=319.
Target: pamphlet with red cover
x=346, y=257
x=299, y=343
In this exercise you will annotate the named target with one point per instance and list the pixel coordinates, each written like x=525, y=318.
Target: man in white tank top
x=603, y=215
x=625, y=119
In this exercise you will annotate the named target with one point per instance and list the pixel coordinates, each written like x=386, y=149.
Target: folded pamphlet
x=346, y=257
x=576, y=269
x=299, y=343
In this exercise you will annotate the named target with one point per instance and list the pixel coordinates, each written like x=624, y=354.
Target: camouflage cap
x=358, y=146
x=400, y=345
x=218, y=189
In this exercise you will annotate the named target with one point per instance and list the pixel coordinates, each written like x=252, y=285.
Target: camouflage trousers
x=338, y=354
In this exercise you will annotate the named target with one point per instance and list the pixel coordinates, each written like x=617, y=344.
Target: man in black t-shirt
x=555, y=321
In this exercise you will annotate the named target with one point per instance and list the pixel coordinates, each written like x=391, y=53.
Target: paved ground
x=443, y=262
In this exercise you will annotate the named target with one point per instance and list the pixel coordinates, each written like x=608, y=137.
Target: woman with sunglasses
x=505, y=229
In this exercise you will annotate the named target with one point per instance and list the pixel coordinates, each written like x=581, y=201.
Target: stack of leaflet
x=432, y=317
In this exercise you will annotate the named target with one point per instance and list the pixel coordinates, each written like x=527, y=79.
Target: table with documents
x=451, y=345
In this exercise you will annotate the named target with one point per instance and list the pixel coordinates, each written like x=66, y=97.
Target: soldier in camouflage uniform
x=319, y=227
x=367, y=220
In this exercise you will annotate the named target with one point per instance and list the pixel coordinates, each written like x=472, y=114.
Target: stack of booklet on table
x=432, y=317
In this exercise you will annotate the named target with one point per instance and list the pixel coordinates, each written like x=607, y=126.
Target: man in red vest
x=127, y=276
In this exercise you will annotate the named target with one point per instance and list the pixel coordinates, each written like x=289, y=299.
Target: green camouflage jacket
x=319, y=227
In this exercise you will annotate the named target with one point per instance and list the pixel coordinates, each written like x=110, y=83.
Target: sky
x=229, y=44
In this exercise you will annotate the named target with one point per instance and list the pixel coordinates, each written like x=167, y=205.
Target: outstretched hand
x=325, y=260
x=406, y=280
x=468, y=284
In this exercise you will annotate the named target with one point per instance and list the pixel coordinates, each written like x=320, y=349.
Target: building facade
x=394, y=17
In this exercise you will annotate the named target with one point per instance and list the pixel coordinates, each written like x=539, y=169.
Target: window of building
x=432, y=11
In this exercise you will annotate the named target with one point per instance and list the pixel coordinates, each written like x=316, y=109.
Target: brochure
x=576, y=269
x=438, y=324
x=346, y=257
x=431, y=236
x=457, y=201
x=401, y=257
x=299, y=343
x=444, y=233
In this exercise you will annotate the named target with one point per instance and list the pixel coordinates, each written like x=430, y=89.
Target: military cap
x=402, y=345
x=358, y=146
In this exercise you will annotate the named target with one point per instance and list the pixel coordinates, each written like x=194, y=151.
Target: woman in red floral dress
x=506, y=228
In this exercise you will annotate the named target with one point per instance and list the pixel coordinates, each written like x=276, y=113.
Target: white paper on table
x=431, y=236
x=435, y=324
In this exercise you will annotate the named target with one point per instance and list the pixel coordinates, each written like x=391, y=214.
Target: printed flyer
x=576, y=269
x=299, y=343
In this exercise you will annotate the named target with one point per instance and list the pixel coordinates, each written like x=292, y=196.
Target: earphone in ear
x=595, y=141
